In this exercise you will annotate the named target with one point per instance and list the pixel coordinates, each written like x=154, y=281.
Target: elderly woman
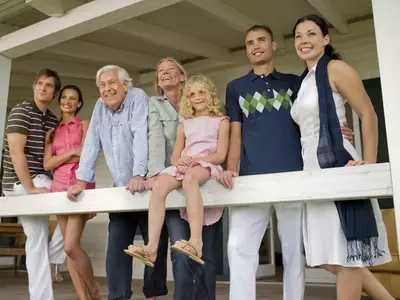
x=190, y=278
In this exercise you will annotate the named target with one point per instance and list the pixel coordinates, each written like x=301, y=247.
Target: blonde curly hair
x=214, y=106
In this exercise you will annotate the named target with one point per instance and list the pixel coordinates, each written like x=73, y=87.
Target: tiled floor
x=16, y=288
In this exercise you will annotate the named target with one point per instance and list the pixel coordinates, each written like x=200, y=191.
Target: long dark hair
x=77, y=90
x=321, y=23
x=80, y=101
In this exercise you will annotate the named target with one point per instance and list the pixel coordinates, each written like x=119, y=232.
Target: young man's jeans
x=121, y=233
x=192, y=281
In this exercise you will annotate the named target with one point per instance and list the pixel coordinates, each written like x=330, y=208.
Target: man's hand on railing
x=225, y=179
x=74, y=190
x=136, y=184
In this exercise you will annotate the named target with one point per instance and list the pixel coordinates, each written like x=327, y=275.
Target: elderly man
x=119, y=126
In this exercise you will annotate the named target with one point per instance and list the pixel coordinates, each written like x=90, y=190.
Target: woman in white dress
x=332, y=239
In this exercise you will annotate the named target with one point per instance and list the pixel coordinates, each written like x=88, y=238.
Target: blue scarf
x=357, y=217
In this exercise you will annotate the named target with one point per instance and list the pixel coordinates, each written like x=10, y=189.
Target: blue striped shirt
x=122, y=135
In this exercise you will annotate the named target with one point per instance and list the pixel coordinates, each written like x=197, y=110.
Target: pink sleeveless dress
x=201, y=140
x=66, y=137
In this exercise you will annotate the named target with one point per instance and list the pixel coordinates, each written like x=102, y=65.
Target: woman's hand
x=76, y=151
x=347, y=133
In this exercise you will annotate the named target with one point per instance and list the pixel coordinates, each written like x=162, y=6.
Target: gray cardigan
x=163, y=123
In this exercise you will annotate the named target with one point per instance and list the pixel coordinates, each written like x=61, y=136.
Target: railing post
x=387, y=27
x=5, y=73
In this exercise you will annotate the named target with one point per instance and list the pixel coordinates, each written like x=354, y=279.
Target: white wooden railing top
x=367, y=181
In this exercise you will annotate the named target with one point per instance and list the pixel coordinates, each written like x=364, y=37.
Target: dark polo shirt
x=270, y=138
x=25, y=118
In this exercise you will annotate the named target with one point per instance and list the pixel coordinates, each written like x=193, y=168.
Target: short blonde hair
x=187, y=111
x=123, y=75
x=159, y=91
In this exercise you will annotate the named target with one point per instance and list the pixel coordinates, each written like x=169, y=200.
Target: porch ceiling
x=203, y=34
x=20, y=13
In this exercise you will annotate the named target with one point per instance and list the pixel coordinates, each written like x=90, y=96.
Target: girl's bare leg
x=194, y=204
x=162, y=187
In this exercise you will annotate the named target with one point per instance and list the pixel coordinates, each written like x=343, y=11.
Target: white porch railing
x=367, y=181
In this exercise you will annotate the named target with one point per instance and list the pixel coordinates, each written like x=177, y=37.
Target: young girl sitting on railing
x=201, y=146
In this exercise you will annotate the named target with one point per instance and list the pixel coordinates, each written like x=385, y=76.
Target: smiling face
x=309, y=41
x=199, y=98
x=69, y=101
x=259, y=46
x=169, y=76
x=112, y=90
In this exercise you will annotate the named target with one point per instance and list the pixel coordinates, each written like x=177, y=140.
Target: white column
x=5, y=67
x=387, y=28
x=5, y=71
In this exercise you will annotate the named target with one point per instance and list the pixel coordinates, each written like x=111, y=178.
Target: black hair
x=77, y=90
x=321, y=23
x=80, y=100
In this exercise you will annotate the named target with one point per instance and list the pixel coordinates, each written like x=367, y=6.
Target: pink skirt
x=62, y=181
x=214, y=170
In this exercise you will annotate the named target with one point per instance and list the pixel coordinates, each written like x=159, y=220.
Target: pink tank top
x=66, y=137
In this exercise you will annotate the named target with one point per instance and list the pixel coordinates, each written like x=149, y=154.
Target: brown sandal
x=144, y=258
x=194, y=256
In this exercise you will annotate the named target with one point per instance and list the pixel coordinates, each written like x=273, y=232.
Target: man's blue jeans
x=121, y=233
x=192, y=281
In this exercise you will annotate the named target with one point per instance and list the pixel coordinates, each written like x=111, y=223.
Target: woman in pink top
x=62, y=153
x=201, y=146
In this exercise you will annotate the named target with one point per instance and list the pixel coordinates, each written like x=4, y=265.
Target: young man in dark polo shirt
x=26, y=128
x=266, y=140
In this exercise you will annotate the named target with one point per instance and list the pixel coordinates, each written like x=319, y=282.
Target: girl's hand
x=182, y=169
x=353, y=163
x=194, y=163
x=185, y=161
